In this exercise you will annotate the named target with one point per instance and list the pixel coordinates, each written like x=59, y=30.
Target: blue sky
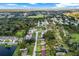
x=37, y=5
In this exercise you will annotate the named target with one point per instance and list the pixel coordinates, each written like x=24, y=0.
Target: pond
x=7, y=51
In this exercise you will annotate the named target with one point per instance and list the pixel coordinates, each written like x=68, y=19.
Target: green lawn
x=39, y=35
x=75, y=37
x=20, y=33
x=30, y=49
x=38, y=50
x=16, y=51
x=37, y=16
x=34, y=34
x=39, y=45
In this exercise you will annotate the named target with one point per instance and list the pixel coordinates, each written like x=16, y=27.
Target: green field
x=75, y=37
x=17, y=51
x=20, y=33
x=37, y=16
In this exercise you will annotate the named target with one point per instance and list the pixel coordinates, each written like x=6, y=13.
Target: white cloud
x=67, y=4
x=39, y=1
x=32, y=3
x=11, y=4
x=24, y=6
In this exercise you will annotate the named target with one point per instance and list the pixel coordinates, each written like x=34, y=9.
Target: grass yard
x=30, y=49
x=17, y=51
x=38, y=48
x=20, y=33
x=37, y=16
x=75, y=37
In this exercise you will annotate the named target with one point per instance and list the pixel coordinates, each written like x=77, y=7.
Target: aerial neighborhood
x=39, y=32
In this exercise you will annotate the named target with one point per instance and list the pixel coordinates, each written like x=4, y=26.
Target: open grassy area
x=75, y=37
x=38, y=43
x=16, y=51
x=39, y=35
x=20, y=33
x=37, y=16
x=30, y=48
x=38, y=48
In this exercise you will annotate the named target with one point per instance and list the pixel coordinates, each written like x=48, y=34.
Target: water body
x=7, y=51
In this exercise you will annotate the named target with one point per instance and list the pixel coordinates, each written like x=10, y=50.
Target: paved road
x=34, y=52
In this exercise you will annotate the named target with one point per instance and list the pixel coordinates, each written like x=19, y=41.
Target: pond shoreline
x=8, y=51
